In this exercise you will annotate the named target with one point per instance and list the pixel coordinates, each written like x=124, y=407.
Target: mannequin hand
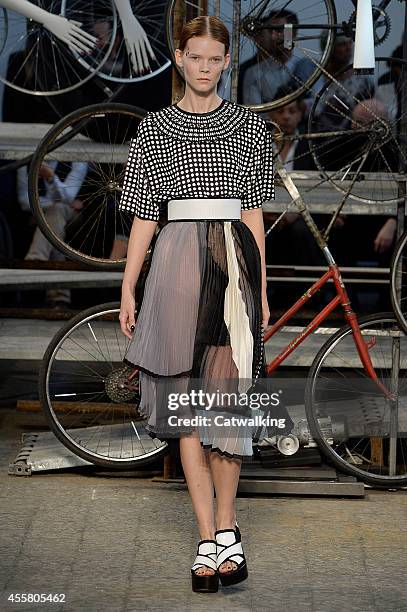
x=67, y=30
x=136, y=43
x=71, y=33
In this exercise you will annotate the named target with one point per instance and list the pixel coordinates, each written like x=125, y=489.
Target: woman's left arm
x=254, y=220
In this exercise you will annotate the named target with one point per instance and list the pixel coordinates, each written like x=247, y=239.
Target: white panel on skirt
x=236, y=318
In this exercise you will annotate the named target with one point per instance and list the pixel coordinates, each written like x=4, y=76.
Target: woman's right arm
x=141, y=235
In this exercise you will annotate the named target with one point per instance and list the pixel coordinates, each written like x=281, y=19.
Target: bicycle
x=99, y=135
x=361, y=441
x=55, y=49
x=304, y=34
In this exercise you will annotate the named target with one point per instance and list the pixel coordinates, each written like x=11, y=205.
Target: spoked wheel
x=91, y=146
x=81, y=389
x=398, y=281
x=358, y=126
x=360, y=429
x=149, y=20
x=41, y=63
x=261, y=49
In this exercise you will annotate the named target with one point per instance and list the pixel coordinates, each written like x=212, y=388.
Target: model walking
x=204, y=306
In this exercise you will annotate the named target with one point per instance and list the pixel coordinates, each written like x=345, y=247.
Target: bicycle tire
x=337, y=182
x=395, y=262
x=368, y=477
x=331, y=12
x=46, y=144
x=55, y=425
x=44, y=34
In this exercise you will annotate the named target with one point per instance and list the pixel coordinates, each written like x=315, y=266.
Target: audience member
x=333, y=111
x=291, y=242
x=59, y=204
x=275, y=66
x=372, y=236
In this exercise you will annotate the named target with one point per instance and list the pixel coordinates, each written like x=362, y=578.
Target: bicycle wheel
x=42, y=64
x=361, y=431
x=263, y=64
x=150, y=16
x=82, y=393
x=95, y=138
x=398, y=284
x=357, y=125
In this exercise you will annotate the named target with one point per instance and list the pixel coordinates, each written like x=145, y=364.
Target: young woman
x=204, y=306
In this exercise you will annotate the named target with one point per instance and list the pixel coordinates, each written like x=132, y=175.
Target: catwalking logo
x=203, y=402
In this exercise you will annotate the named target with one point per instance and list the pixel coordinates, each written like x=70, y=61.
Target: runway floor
x=116, y=542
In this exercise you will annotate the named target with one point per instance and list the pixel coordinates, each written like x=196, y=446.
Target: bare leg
x=225, y=475
x=195, y=463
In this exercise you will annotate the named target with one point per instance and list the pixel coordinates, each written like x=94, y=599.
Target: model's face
x=202, y=61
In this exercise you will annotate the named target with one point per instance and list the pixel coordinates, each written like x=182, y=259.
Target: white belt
x=204, y=208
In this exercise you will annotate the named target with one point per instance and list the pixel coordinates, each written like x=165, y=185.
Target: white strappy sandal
x=206, y=555
x=229, y=548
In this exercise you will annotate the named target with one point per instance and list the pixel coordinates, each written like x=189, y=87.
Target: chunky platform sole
x=205, y=557
x=205, y=584
x=229, y=548
x=235, y=576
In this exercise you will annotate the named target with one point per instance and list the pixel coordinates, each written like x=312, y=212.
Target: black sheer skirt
x=199, y=329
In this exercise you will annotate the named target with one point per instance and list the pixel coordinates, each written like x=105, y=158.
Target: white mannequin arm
x=68, y=31
x=135, y=37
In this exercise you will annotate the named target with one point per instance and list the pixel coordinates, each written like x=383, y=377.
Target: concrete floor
x=113, y=542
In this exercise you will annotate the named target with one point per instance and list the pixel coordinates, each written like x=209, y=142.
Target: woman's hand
x=265, y=311
x=126, y=316
x=142, y=231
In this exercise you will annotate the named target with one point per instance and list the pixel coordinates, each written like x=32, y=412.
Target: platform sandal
x=206, y=555
x=229, y=548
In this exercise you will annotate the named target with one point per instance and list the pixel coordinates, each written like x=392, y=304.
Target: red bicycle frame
x=342, y=298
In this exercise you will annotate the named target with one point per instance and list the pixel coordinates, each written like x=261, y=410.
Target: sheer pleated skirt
x=185, y=339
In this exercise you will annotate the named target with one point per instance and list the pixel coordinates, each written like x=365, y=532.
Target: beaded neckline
x=219, y=123
x=223, y=102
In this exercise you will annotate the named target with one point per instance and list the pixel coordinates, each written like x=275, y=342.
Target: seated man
x=275, y=67
x=372, y=236
x=291, y=242
x=58, y=201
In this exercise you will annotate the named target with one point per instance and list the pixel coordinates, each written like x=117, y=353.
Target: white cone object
x=364, y=56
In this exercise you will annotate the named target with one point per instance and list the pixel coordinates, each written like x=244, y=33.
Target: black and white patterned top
x=225, y=153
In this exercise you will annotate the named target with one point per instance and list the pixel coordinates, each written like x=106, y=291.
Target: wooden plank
x=17, y=140
x=29, y=339
x=81, y=408
x=376, y=445
x=11, y=279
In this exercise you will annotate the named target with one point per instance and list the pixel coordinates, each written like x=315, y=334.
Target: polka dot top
x=176, y=154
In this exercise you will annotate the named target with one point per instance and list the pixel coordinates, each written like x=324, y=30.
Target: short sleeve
x=136, y=194
x=259, y=186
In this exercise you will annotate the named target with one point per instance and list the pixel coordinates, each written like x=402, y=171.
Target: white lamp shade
x=364, y=57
